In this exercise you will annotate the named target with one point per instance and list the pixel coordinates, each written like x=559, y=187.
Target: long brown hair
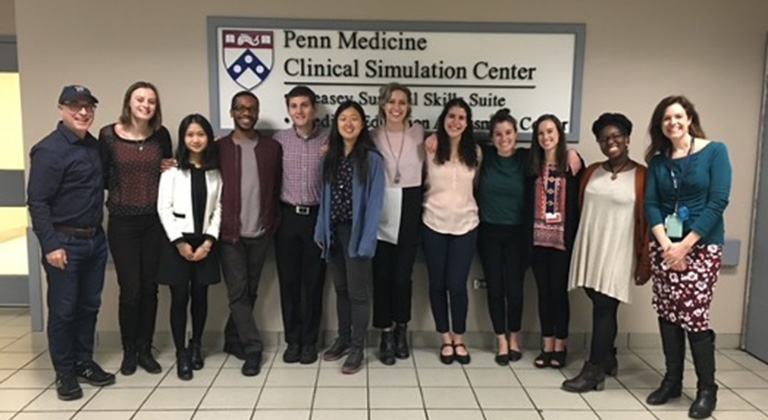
x=660, y=144
x=536, y=157
x=125, y=117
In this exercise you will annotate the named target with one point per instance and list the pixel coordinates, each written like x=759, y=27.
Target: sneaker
x=354, y=362
x=91, y=373
x=336, y=351
x=292, y=354
x=252, y=365
x=67, y=388
x=308, y=354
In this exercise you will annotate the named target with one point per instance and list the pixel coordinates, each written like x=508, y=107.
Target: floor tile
x=435, y=377
x=280, y=415
x=631, y=362
x=141, y=379
x=202, y=379
x=108, y=360
x=671, y=415
x=101, y=415
x=60, y=415
x=398, y=415
x=334, y=377
x=741, y=379
x=748, y=361
x=280, y=364
x=163, y=415
x=677, y=404
x=453, y=398
x=280, y=398
x=30, y=379
x=118, y=399
x=391, y=377
x=625, y=415
x=292, y=377
x=724, y=362
x=424, y=358
x=5, y=373
x=738, y=415
x=640, y=379
x=14, y=331
x=267, y=358
x=549, y=378
x=482, y=359
x=230, y=398
x=556, y=399
x=375, y=363
x=174, y=399
x=18, y=360
x=612, y=399
x=223, y=414
x=395, y=398
x=503, y=398
x=6, y=415
x=16, y=399
x=568, y=415
x=756, y=397
x=233, y=378
x=339, y=415
x=455, y=414
x=511, y=414
x=496, y=377
x=48, y=401
x=340, y=398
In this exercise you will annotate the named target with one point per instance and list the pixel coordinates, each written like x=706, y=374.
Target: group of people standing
x=363, y=203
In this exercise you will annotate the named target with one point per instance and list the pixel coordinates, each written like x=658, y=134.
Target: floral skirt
x=683, y=297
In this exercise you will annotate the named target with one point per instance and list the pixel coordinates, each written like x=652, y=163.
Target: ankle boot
x=611, y=365
x=387, y=348
x=401, y=341
x=147, y=360
x=130, y=359
x=592, y=377
x=196, y=355
x=673, y=343
x=183, y=365
x=703, y=350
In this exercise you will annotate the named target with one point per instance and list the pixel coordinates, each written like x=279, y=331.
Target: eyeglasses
x=77, y=106
x=612, y=137
x=244, y=109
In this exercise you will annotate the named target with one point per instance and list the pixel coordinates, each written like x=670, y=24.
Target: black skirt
x=175, y=269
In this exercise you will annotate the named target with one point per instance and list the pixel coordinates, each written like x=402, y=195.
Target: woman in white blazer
x=190, y=210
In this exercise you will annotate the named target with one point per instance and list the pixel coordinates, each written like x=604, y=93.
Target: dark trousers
x=449, y=258
x=501, y=253
x=392, y=270
x=301, y=272
x=604, y=325
x=180, y=298
x=242, y=263
x=134, y=242
x=550, y=267
x=74, y=298
x=352, y=278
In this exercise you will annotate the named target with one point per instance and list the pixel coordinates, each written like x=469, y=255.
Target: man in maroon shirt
x=299, y=266
x=251, y=167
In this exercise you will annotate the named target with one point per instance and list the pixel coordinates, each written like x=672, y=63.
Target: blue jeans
x=74, y=298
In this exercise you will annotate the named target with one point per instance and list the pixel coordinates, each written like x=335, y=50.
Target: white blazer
x=174, y=203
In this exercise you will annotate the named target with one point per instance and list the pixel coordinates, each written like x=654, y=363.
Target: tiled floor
x=418, y=388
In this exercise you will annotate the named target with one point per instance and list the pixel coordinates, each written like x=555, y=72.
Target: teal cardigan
x=367, y=199
x=705, y=189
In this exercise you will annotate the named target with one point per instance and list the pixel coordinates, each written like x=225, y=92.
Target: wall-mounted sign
x=532, y=69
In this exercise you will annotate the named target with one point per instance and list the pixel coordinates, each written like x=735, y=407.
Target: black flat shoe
x=501, y=359
x=447, y=359
x=558, y=359
x=462, y=359
x=514, y=355
x=543, y=360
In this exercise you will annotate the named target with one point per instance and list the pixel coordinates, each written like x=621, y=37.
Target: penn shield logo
x=248, y=56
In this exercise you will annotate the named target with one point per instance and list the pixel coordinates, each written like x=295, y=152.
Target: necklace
x=615, y=174
x=399, y=153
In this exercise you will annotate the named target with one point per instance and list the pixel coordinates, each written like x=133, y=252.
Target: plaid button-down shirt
x=302, y=165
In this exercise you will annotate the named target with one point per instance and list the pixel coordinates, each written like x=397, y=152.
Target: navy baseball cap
x=73, y=92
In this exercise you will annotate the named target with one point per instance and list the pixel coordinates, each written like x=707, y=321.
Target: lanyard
x=678, y=183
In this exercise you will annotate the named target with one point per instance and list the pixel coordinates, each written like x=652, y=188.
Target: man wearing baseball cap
x=65, y=199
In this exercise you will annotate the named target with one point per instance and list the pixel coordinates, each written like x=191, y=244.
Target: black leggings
x=180, y=297
x=550, y=267
x=604, y=325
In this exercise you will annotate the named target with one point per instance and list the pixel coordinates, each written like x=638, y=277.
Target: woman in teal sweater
x=689, y=182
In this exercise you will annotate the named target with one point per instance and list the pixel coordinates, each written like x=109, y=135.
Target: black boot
x=611, y=365
x=183, y=365
x=196, y=355
x=592, y=377
x=703, y=350
x=130, y=359
x=147, y=360
x=387, y=348
x=673, y=343
x=401, y=341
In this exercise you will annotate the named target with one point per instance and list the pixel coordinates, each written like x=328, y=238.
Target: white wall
x=636, y=53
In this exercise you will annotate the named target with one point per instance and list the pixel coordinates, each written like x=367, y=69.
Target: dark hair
x=125, y=116
x=467, y=144
x=385, y=93
x=536, y=157
x=211, y=153
x=609, y=119
x=301, y=90
x=359, y=154
x=502, y=115
x=241, y=94
x=660, y=144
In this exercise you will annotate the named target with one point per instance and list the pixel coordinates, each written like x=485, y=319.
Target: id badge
x=674, y=226
x=553, y=217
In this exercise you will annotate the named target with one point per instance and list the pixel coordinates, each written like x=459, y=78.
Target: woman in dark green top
x=689, y=182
